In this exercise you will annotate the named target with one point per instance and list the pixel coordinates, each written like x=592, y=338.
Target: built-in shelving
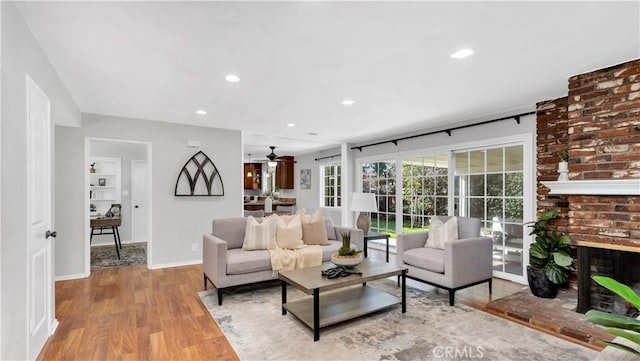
x=105, y=184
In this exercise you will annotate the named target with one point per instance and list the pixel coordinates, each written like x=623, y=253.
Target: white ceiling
x=298, y=60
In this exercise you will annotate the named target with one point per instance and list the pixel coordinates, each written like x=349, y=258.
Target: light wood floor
x=139, y=314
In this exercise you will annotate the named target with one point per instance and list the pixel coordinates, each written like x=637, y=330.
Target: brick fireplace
x=599, y=123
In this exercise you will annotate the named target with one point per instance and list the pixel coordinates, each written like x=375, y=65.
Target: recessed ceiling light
x=312, y=133
x=291, y=125
x=232, y=78
x=462, y=53
x=348, y=102
x=201, y=112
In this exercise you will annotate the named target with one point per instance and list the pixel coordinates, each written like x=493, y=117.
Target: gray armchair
x=462, y=263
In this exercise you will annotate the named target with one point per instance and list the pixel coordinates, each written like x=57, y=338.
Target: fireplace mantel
x=595, y=187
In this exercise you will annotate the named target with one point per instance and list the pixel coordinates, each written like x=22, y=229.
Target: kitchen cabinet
x=284, y=173
x=255, y=181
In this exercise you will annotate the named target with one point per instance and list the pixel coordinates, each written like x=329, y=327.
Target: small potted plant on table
x=347, y=256
x=550, y=260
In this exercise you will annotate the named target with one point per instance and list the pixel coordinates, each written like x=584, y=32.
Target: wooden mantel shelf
x=595, y=187
x=612, y=246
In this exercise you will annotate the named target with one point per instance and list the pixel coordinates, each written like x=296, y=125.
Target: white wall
x=177, y=221
x=126, y=152
x=21, y=55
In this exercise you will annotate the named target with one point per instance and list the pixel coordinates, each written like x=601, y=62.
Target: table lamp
x=364, y=203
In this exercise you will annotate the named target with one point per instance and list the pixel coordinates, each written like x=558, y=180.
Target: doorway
x=111, y=186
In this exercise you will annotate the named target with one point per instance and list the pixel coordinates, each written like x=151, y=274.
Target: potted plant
x=550, y=259
x=347, y=256
x=563, y=166
x=618, y=325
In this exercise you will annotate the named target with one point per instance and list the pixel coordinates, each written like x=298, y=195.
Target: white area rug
x=251, y=319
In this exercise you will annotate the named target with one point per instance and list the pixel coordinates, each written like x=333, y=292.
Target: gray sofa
x=462, y=263
x=226, y=264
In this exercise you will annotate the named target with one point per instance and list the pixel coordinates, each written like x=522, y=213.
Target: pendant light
x=249, y=174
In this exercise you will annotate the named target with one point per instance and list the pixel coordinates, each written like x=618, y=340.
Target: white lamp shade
x=364, y=202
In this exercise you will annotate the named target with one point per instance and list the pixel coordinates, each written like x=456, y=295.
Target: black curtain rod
x=329, y=156
x=448, y=131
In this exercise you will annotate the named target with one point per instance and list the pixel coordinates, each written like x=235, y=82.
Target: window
x=489, y=186
x=424, y=190
x=331, y=185
x=380, y=178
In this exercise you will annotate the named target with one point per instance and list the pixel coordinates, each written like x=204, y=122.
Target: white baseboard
x=53, y=327
x=176, y=264
x=71, y=277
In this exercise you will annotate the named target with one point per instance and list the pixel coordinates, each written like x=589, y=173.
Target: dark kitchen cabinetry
x=255, y=181
x=284, y=173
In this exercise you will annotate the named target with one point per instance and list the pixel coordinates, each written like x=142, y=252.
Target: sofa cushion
x=260, y=235
x=430, y=259
x=441, y=232
x=329, y=249
x=289, y=232
x=241, y=262
x=331, y=230
x=313, y=228
x=230, y=230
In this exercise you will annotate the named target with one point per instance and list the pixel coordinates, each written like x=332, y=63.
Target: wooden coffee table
x=333, y=301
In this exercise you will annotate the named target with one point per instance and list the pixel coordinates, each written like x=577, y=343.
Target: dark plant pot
x=540, y=284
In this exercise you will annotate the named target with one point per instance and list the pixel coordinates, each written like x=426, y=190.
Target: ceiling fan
x=273, y=157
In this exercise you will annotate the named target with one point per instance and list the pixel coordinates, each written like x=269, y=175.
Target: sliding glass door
x=488, y=185
x=424, y=190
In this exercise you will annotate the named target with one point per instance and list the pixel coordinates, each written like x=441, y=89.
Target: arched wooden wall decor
x=199, y=177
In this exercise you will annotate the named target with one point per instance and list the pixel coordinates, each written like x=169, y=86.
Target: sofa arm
x=468, y=260
x=214, y=257
x=357, y=236
x=407, y=241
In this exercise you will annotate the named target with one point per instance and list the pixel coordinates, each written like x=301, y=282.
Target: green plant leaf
x=631, y=336
x=612, y=320
x=537, y=251
x=564, y=240
x=619, y=289
x=562, y=259
x=621, y=347
x=556, y=274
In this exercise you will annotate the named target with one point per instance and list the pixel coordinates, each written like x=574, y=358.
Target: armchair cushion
x=431, y=259
x=442, y=231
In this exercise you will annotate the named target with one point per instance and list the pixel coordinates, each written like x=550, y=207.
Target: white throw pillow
x=442, y=232
x=260, y=235
x=289, y=232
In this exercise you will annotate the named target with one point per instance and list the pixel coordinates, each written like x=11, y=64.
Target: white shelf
x=595, y=187
x=109, y=169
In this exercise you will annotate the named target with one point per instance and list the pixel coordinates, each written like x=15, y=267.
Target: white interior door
x=140, y=212
x=40, y=265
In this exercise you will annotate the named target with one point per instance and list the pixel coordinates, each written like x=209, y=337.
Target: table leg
x=387, y=249
x=116, y=241
x=284, y=297
x=365, y=247
x=316, y=314
x=120, y=241
x=404, y=291
x=91, y=237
